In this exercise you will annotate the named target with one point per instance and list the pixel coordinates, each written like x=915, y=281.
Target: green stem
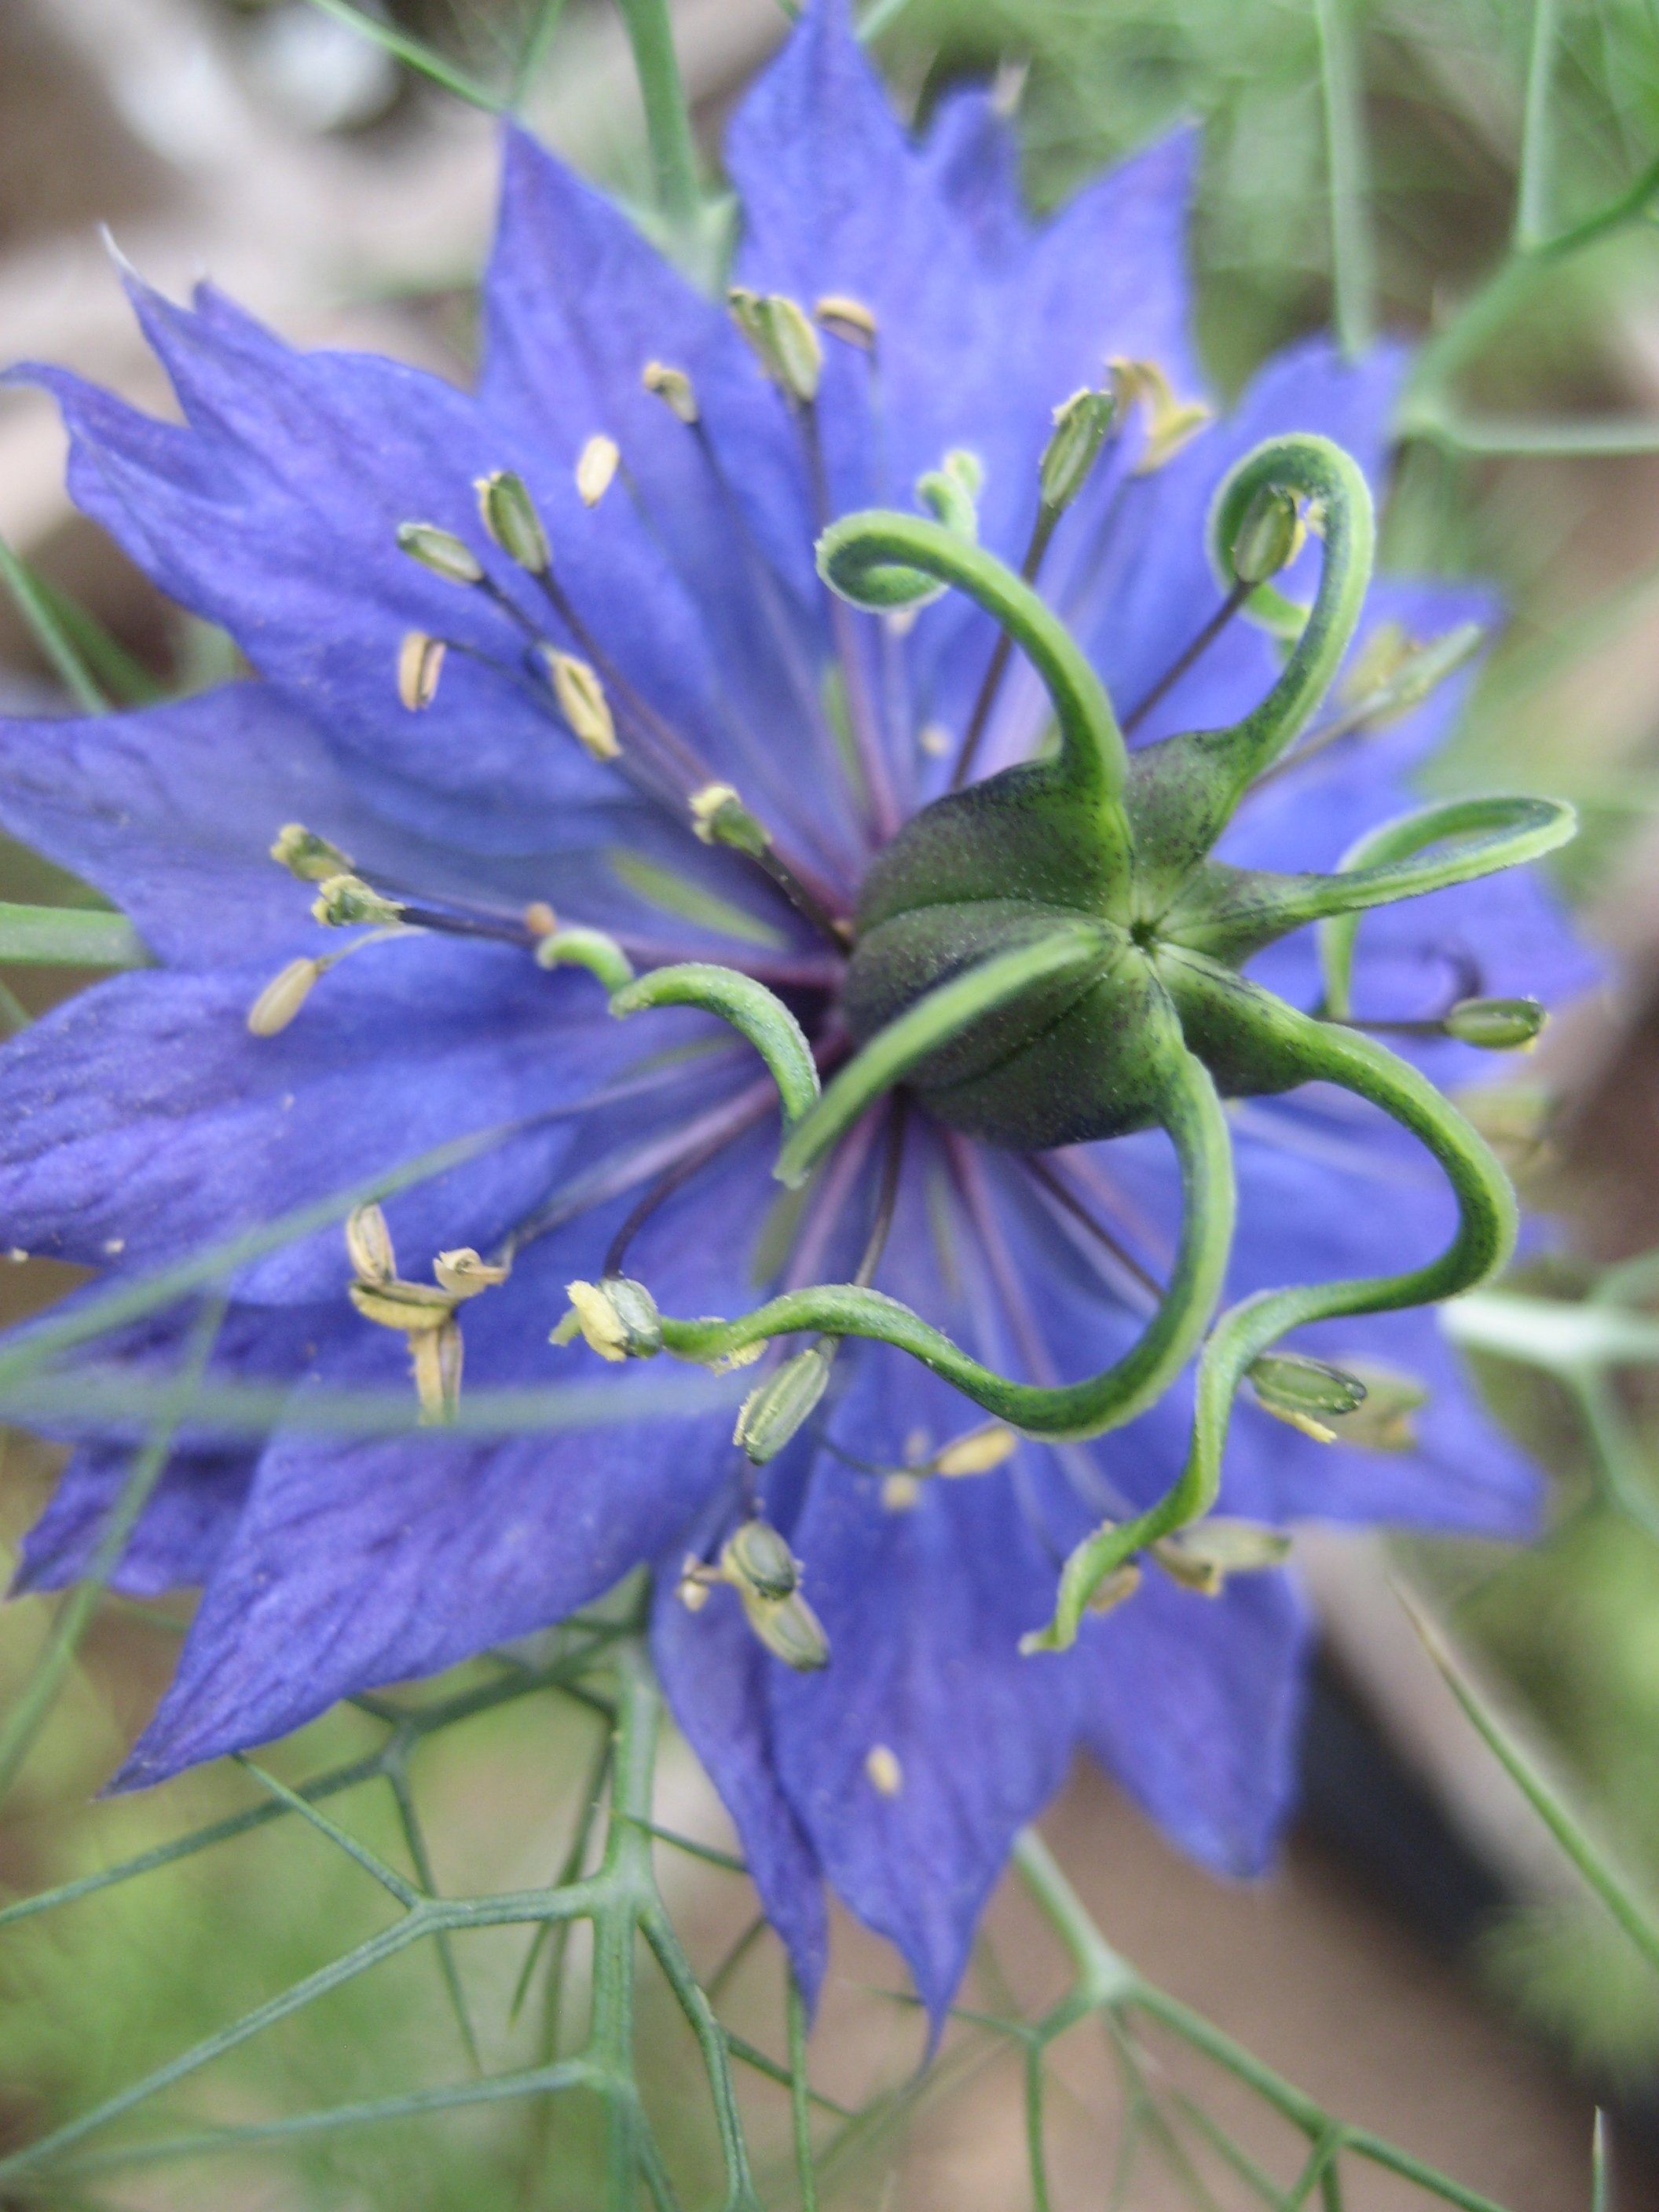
x=1531, y=198
x=1192, y=1113
x=1311, y=1052
x=878, y=559
x=1229, y=914
x=1318, y=471
x=1353, y=260
x=800, y=2109
x=1392, y=863
x=752, y=1010
x=667, y=115
x=69, y=936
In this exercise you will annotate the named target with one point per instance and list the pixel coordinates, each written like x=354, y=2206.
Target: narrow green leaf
x=69, y=936
x=415, y=1838
x=388, y=1877
x=48, y=631
x=543, y=29
x=1533, y=192
x=414, y=54
x=1353, y=253
x=1633, y=1915
x=26, y=1716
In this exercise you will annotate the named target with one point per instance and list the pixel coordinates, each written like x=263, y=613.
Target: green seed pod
x=1082, y=424
x=441, y=551
x=755, y=1559
x=1269, y=538
x=510, y=516
x=774, y=1412
x=790, y=1630
x=1496, y=1025
x=1307, y=1393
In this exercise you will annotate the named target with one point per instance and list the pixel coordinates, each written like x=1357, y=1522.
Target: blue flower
x=142, y=1121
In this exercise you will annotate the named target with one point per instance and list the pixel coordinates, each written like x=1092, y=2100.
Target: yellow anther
x=673, y=387
x=881, y=1766
x=1118, y=1587
x=414, y=1308
x=582, y=702
x=1202, y=1557
x=539, y=918
x=978, y=1452
x=1171, y=422
x=282, y=997
x=305, y=855
x=463, y=1272
x=899, y=1492
x=845, y=319
x=420, y=664
x=596, y=467
x=368, y=1245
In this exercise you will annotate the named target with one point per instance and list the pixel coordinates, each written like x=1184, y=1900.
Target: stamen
x=510, y=516
x=883, y=1771
x=341, y=901
x=842, y=317
x=1172, y=423
x=1082, y=425
x=1187, y=657
x=1043, y=1172
x=441, y=551
x=596, y=467
x=305, y=855
x=719, y=817
x=1306, y=1394
x=845, y=631
x=1202, y=1558
x=420, y=664
x=1386, y=683
x=583, y=704
x=783, y=338
x=1493, y=1024
x=424, y=1312
x=677, y=1173
x=674, y=388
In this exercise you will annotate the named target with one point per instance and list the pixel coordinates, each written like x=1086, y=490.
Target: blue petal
x=1193, y=1704
x=924, y=1611
x=714, y=1674
x=357, y=1564
x=576, y=304
x=140, y=1121
x=275, y=510
x=183, y=1530
x=170, y=812
x=189, y=1515
x=971, y=157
